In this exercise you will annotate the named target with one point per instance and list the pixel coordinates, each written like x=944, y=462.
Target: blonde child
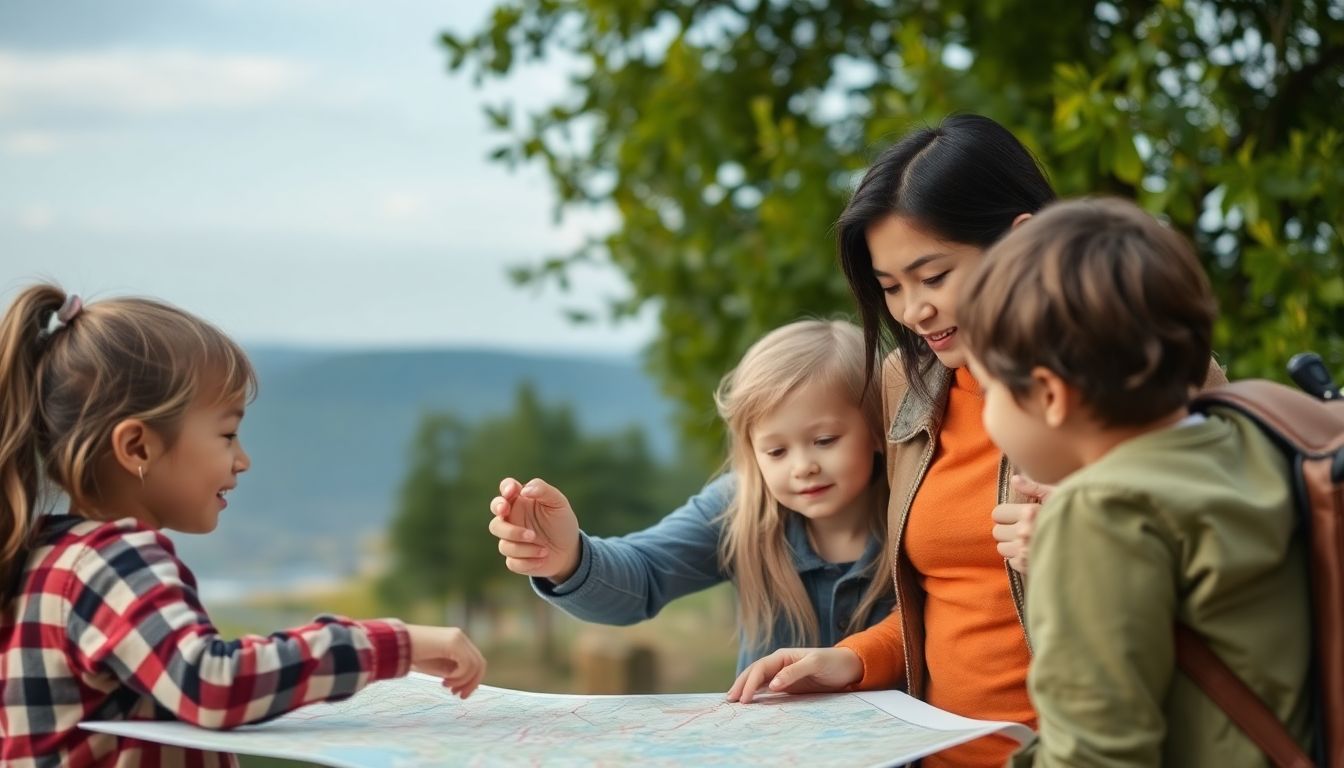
x=131, y=409
x=1160, y=516
x=798, y=524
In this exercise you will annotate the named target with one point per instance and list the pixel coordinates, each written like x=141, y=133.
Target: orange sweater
x=974, y=646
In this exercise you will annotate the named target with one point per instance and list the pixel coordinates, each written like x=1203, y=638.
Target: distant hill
x=329, y=436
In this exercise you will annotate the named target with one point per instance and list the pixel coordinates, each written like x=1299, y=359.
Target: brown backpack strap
x=1313, y=427
x=1242, y=706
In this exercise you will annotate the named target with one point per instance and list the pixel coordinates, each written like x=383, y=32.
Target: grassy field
x=584, y=658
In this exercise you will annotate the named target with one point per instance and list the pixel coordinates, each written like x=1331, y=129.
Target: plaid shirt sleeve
x=134, y=612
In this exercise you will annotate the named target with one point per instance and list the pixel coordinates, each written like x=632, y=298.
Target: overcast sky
x=297, y=171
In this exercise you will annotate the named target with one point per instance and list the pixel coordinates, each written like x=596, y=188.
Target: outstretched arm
x=619, y=580
x=133, y=611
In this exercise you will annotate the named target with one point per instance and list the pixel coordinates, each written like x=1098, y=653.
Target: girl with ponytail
x=129, y=409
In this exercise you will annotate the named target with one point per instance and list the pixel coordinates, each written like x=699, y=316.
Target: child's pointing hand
x=799, y=670
x=537, y=529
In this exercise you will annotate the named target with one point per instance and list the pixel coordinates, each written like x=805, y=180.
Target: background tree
x=441, y=548
x=727, y=135
x=434, y=554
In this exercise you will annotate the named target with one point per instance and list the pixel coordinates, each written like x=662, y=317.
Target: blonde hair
x=754, y=548
x=65, y=390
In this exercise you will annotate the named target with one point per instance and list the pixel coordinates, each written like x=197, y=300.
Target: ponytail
x=24, y=335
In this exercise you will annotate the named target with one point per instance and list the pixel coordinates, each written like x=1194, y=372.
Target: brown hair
x=1100, y=293
x=754, y=548
x=65, y=388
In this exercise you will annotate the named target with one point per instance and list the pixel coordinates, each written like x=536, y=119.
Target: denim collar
x=806, y=559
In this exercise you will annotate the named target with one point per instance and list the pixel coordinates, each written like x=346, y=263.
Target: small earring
x=141, y=470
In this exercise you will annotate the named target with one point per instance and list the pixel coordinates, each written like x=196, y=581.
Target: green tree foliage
x=426, y=534
x=727, y=135
x=440, y=546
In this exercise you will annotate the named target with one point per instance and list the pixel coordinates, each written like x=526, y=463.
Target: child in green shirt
x=1088, y=328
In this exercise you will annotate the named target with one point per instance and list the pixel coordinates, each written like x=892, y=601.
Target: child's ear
x=1054, y=396
x=135, y=445
x=1019, y=220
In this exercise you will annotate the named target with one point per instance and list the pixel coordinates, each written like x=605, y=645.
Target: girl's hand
x=799, y=670
x=1014, y=524
x=537, y=529
x=448, y=653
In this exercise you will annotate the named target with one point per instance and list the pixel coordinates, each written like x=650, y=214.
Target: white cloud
x=36, y=218
x=143, y=81
x=30, y=143
x=402, y=206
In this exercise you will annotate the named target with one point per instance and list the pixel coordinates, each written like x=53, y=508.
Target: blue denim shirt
x=627, y=579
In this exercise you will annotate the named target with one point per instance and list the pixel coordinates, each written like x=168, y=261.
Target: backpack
x=1310, y=431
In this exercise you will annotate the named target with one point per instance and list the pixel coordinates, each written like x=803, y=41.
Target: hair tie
x=62, y=317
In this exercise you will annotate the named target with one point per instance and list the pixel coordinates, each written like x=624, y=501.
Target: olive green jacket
x=913, y=425
x=1192, y=524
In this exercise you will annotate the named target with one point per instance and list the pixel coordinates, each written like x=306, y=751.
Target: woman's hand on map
x=537, y=530
x=448, y=653
x=799, y=670
x=1014, y=524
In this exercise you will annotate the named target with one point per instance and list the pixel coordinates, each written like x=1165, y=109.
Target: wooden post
x=607, y=664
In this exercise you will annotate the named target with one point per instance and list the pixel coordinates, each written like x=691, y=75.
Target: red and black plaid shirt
x=108, y=626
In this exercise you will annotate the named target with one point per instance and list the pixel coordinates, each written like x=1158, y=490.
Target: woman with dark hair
x=965, y=183
x=916, y=228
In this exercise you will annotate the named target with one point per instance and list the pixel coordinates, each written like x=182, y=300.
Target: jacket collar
x=916, y=414
x=806, y=559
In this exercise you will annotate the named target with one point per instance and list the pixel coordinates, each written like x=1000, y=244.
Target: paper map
x=414, y=721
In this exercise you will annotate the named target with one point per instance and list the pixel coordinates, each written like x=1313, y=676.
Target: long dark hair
x=964, y=181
